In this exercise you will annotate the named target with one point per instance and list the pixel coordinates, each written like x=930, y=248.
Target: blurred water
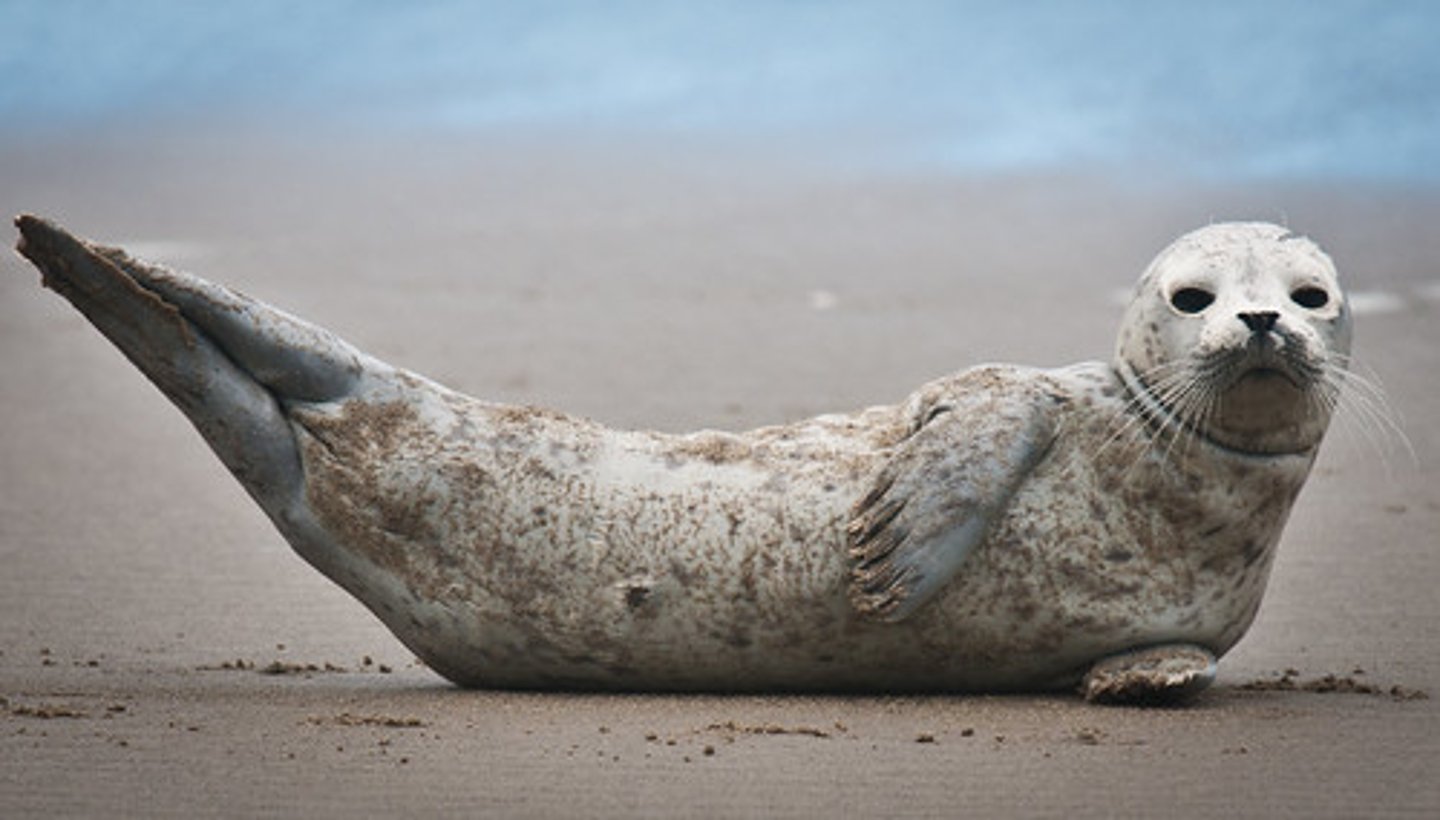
x=1219, y=89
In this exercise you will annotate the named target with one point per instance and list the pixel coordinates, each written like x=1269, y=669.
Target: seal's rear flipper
x=294, y=359
x=231, y=364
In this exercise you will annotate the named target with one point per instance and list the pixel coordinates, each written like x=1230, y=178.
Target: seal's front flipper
x=227, y=362
x=1169, y=674
x=936, y=498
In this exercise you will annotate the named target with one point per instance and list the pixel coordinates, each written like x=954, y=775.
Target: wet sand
x=162, y=652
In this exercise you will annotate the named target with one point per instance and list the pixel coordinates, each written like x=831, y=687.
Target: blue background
x=1229, y=90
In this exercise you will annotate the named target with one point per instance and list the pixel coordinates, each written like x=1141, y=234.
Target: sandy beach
x=163, y=653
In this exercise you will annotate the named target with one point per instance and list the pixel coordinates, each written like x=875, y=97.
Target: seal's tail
x=230, y=363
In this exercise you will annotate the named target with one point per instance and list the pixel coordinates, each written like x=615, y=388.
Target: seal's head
x=1239, y=332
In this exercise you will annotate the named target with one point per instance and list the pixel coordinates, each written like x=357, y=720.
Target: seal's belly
x=531, y=549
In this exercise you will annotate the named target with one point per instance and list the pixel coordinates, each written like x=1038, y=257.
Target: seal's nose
x=1259, y=321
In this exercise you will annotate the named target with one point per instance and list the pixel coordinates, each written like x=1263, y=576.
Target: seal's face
x=1240, y=333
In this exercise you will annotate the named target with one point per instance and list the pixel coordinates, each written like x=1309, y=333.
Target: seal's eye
x=1310, y=297
x=1191, y=300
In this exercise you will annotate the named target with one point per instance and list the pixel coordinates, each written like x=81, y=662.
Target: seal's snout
x=1259, y=321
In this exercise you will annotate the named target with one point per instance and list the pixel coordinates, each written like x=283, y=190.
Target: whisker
x=1133, y=416
x=1360, y=408
x=1366, y=399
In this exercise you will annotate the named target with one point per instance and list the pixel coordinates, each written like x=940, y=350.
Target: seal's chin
x=1266, y=409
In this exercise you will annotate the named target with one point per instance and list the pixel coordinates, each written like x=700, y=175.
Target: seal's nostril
x=1259, y=321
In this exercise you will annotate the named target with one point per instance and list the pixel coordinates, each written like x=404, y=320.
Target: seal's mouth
x=1262, y=366
x=1264, y=375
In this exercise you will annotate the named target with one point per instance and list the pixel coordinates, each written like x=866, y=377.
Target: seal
x=1006, y=528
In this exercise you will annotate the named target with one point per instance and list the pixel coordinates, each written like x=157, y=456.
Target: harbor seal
x=1103, y=525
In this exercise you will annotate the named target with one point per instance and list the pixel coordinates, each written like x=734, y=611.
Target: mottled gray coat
x=1005, y=528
